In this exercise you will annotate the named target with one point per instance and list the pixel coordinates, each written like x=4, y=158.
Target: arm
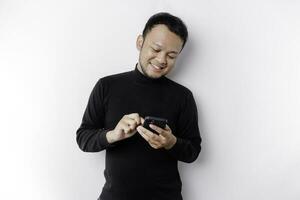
x=91, y=135
x=188, y=143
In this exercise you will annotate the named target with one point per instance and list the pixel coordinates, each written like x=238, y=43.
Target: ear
x=139, y=42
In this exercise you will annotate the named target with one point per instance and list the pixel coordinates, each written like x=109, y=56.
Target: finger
x=127, y=118
x=144, y=130
x=162, y=140
x=150, y=136
x=153, y=143
x=124, y=126
x=135, y=116
x=156, y=128
x=146, y=137
x=160, y=131
x=155, y=139
x=166, y=132
x=168, y=128
x=142, y=120
x=126, y=130
x=155, y=146
x=130, y=122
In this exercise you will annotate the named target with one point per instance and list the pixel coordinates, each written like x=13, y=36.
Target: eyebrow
x=160, y=46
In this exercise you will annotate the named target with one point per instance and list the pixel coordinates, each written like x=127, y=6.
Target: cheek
x=171, y=61
x=150, y=55
x=145, y=55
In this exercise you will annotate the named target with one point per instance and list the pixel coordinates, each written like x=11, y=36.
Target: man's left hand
x=165, y=138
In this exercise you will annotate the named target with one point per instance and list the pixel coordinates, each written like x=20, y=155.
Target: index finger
x=135, y=116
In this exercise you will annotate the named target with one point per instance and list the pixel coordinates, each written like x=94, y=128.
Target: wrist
x=110, y=137
x=172, y=143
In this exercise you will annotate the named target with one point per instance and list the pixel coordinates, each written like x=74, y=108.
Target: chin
x=154, y=76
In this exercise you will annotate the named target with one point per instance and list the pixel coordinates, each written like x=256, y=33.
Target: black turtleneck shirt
x=133, y=169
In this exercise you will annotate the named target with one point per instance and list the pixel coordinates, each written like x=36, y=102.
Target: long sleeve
x=91, y=135
x=188, y=145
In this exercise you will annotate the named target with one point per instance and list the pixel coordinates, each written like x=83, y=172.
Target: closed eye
x=156, y=50
x=172, y=57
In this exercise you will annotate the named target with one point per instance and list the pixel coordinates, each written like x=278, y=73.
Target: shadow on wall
x=186, y=56
x=189, y=53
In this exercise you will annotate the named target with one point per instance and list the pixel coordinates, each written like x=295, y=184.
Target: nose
x=161, y=58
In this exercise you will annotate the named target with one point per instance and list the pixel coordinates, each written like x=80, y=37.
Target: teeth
x=156, y=67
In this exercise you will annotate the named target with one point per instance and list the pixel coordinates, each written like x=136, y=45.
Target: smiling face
x=158, y=51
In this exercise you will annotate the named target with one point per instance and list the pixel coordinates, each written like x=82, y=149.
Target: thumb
x=142, y=120
x=168, y=128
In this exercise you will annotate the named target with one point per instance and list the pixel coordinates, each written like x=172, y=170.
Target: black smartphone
x=160, y=122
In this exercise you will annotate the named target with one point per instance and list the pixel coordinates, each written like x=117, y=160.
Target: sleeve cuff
x=175, y=150
x=103, y=140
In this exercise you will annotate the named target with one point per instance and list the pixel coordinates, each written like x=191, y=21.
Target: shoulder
x=179, y=88
x=105, y=83
x=183, y=95
x=116, y=77
x=112, y=79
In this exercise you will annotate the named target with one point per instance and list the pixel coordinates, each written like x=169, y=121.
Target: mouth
x=156, y=68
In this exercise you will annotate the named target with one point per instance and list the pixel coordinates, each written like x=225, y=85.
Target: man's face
x=158, y=51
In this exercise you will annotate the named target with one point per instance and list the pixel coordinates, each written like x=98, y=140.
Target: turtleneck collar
x=141, y=78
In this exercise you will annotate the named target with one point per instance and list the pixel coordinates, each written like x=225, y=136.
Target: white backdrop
x=241, y=62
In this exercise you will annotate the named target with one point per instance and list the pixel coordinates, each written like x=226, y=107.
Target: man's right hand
x=125, y=128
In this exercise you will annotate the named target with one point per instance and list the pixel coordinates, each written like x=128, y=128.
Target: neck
x=139, y=67
x=141, y=77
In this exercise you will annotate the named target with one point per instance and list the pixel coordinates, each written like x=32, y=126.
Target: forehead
x=162, y=36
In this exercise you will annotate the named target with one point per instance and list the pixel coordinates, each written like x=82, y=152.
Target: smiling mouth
x=157, y=68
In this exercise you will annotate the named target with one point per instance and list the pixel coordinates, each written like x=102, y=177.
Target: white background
x=241, y=62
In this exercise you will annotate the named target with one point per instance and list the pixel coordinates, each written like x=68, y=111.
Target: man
x=141, y=164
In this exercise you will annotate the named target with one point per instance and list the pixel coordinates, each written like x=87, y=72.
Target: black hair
x=174, y=24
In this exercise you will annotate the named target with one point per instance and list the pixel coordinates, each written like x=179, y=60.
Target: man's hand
x=165, y=138
x=125, y=128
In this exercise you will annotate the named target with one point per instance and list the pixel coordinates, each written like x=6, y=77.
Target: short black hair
x=174, y=24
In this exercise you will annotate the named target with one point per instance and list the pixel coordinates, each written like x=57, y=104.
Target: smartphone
x=160, y=122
